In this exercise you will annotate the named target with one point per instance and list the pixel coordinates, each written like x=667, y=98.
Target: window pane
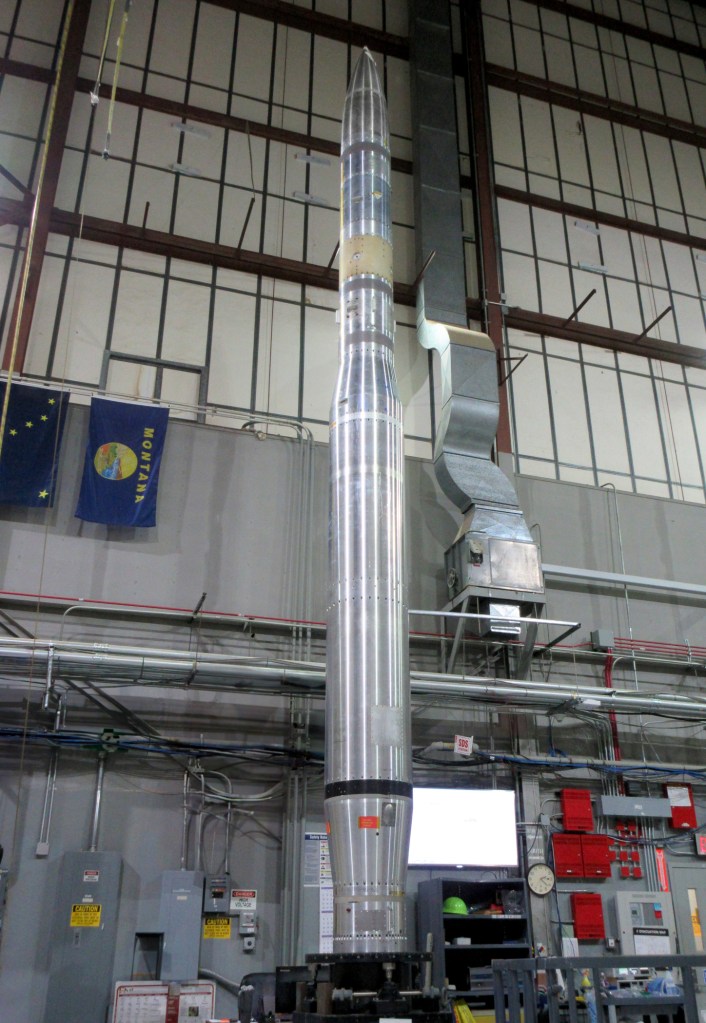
x=570, y=421
x=643, y=427
x=681, y=443
x=531, y=408
x=607, y=423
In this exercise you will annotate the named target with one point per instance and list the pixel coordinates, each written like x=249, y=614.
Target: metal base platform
x=357, y=987
x=438, y=1016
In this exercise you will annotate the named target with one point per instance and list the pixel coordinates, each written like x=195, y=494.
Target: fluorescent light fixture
x=191, y=129
x=584, y=225
x=313, y=200
x=593, y=268
x=322, y=161
x=463, y=828
x=183, y=168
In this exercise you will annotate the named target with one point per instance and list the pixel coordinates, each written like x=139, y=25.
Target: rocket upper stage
x=368, y=803
x=366, y=232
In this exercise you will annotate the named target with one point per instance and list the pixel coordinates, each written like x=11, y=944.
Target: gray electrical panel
x=83, y=936
x=180, y=915
x=646, y=923
x=635, y=806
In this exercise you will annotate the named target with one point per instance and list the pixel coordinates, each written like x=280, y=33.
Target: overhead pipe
x=86, y=661
x=229, y=618
x=637, y=582
x=550, y=694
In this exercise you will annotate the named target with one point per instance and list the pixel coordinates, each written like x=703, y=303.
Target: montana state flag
x=31, y=444
x=121, y=470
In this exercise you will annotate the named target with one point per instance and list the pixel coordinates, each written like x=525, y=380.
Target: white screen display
x=463, y=827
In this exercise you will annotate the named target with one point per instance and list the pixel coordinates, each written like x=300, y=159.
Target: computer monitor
x=463, y=828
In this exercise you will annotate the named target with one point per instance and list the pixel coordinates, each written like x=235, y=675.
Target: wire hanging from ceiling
x=116, y=73
x=95, y=93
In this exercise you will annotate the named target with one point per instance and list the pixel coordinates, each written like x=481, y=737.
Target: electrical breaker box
x=577, y=810
x=180, y=911
x=587, y=910
x=216, y=895
x=568, y=855
x=597, y=857
x=83, y=934
x=681, y=800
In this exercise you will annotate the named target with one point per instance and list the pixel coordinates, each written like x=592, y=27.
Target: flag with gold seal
x=31, y=444
x=121, y=467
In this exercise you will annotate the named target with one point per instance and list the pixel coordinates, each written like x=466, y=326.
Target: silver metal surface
x=467, y=364
x=632, y=582
x=184, y=672
x=368, y=804
x=97, y=800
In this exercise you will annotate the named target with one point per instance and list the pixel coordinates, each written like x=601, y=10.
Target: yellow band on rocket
x=365, y=254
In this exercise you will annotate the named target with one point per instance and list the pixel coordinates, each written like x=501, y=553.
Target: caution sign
x=85, y=915
x=243, y=900
x=216, y=927
x=369, y=822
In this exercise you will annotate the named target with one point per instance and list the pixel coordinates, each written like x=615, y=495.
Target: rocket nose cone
x=365, y=74
x=365, y=111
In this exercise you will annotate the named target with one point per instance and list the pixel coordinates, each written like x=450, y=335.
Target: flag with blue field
x=31, y=444
x=121, y=468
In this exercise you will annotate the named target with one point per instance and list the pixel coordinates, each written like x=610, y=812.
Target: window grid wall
x=640, y=426
x=581, y=413
x=179, y=330
x=161, y=327
x=601, y=61
x=590, y=162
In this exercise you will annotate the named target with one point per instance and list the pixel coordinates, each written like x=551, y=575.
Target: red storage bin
x=568, y=855
x=587, y=911
x=595, y=850
x=577, y=810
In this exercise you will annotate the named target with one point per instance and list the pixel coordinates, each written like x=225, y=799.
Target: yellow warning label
x=216, y=927
x=85, y=915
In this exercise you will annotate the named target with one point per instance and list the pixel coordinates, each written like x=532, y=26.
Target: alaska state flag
x=121, y=470
x=31, y=444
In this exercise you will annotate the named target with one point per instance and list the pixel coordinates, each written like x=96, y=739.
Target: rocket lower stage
x=368, y=804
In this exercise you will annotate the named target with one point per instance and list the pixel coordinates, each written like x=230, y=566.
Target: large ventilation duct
x=493, y=561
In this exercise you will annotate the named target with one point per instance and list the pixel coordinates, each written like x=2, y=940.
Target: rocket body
x=368, y=790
